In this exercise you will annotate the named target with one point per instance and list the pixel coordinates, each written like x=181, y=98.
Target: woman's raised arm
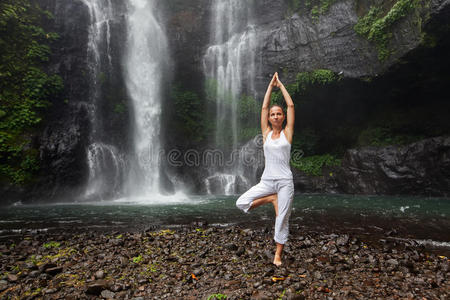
x=265, y=107
x=289, y=130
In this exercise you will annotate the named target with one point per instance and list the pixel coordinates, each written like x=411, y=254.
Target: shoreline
x=197, y=261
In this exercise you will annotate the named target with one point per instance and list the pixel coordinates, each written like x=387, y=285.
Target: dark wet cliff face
x=68, y=124
x=291, y=39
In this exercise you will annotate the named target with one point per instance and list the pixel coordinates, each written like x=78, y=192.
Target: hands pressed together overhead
x=275, y=82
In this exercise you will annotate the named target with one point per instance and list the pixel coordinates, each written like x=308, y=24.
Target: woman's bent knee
x=243, y=204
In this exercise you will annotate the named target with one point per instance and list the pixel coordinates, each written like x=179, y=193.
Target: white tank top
x=277, y=155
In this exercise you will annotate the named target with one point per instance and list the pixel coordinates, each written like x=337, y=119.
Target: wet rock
x=107, y=294
x=31, y=266
x=123, y=261
x=197, y=272
x=34, y=273
x=240, y=251
x=312, y=273
x=53, y=271
x=342, y=241
x=49, y=291
x=12, y=278
x=392, y=262
x=343, y=250
x=3, y=285
x=317, y=275
x=96, y=287
x=231, y=247
x=116, y=288
x=260, y=295
x=47, y=266
x=99, y=274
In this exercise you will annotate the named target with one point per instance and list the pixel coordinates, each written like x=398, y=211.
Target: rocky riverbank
x=198, y=262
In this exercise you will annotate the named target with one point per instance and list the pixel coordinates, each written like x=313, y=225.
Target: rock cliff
x=420, y=168
x=290, y=41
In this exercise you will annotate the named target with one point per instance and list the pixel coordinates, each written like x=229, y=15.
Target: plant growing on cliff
x=189, y=114
x=314, y=7
x=376, y=25
x=25, y=88
x=312, y=165
x=306, y=79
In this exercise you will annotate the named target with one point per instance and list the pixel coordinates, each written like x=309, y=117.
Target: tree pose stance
x=276, y=185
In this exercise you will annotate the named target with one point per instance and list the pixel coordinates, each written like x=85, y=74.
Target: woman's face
x=276, y=116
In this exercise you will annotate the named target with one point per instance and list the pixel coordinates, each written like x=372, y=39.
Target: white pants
x=284, y=188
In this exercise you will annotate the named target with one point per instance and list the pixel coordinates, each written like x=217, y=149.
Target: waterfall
x=106, y=164
x=231, y=64
x=145, y=61
x=112, y=173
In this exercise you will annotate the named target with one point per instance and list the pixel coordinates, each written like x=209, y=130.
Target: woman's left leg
x=285, y=197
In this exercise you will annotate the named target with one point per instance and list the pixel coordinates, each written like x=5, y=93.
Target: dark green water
x=411, y=217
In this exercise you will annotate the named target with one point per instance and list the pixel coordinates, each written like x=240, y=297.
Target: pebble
x=96, y=287
x=188, y=264
x=3, y=285
x=99, y=274
x=12, y=278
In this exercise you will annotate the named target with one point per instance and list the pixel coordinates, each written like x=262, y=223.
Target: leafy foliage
x=312, y=165
x=384, y=136
x=376, y=25
x=25, y=88
x=190, y=114
x=217, y=297
x=249, y=112
x=306, y=140
x=316, y=8
x=304, y=80
x=52, y=244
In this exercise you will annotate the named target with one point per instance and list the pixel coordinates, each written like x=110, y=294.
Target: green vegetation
x=306, y=140
x=249, y=111
x=305, y=80
x=248, y=133
x=320, y=76
x=52, y=244
x=120, y=108
x=282, y=295
x=316, y=8
x=217, y=297
x=248, y=107
x=384, y=136
x=137, y=259
x=25, y=88
x=312, y=165
x=190, y=114
x=376, y=24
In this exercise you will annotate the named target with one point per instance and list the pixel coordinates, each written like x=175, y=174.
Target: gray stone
x=3, y=285
x=99, y=274
x=107, y=294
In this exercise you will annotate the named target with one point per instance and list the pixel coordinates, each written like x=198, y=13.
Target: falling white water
x=145, y=58
x=105, y=163
x=106, y=168
x=101, y=14
x=230, y=63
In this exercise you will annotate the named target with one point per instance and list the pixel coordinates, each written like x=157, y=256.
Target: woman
x=276, y=185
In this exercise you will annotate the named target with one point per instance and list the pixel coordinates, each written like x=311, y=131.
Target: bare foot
x=264, y=200
x=277, y=260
